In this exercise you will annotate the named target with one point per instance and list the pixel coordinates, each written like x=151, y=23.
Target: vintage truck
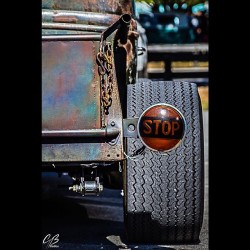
x=107, y=128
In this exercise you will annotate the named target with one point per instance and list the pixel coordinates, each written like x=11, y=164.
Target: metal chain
x=105, y=63
x=105, y=70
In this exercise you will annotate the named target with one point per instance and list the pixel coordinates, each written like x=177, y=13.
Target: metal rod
x=70, y=26
x=67, y=16
x=124, y=28
x=90, y=37
x=86, y=133
x=174, y=48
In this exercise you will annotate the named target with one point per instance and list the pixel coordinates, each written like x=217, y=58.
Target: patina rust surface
x=108, y=6
x=71, y=101
x=70, y=86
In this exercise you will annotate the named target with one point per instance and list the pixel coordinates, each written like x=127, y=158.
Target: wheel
x=164, y=192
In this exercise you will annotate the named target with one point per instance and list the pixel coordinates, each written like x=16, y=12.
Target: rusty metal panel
x=82, y=149
x=108, y=6
x=91, y=151
x=79, y=152
x=70, y=85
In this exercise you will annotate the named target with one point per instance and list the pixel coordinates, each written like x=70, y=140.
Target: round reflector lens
x=161, y=127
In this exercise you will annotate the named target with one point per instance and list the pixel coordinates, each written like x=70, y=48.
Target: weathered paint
x=108, y=6
x=71, y=152
x=70, y=86
x=82, y=150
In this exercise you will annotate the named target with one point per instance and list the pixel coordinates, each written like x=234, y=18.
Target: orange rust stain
x=65, y=19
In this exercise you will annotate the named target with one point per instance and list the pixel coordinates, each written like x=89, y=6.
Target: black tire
x=164, y=193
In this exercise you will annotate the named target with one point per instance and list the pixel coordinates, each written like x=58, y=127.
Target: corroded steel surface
x=70, y=81
x=76, y=151
x=108, y=6
x=70, y=85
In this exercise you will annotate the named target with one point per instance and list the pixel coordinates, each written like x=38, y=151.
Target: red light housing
x=161, y=127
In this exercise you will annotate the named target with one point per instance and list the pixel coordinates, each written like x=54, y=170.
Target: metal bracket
x=130, y=127
x=88, y=187
x=88, y=183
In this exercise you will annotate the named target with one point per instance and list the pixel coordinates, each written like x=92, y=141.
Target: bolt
x=113, y=141
x=112, y=123
x=131, y=127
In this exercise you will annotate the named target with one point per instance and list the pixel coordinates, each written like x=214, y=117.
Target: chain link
x=105, y=70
